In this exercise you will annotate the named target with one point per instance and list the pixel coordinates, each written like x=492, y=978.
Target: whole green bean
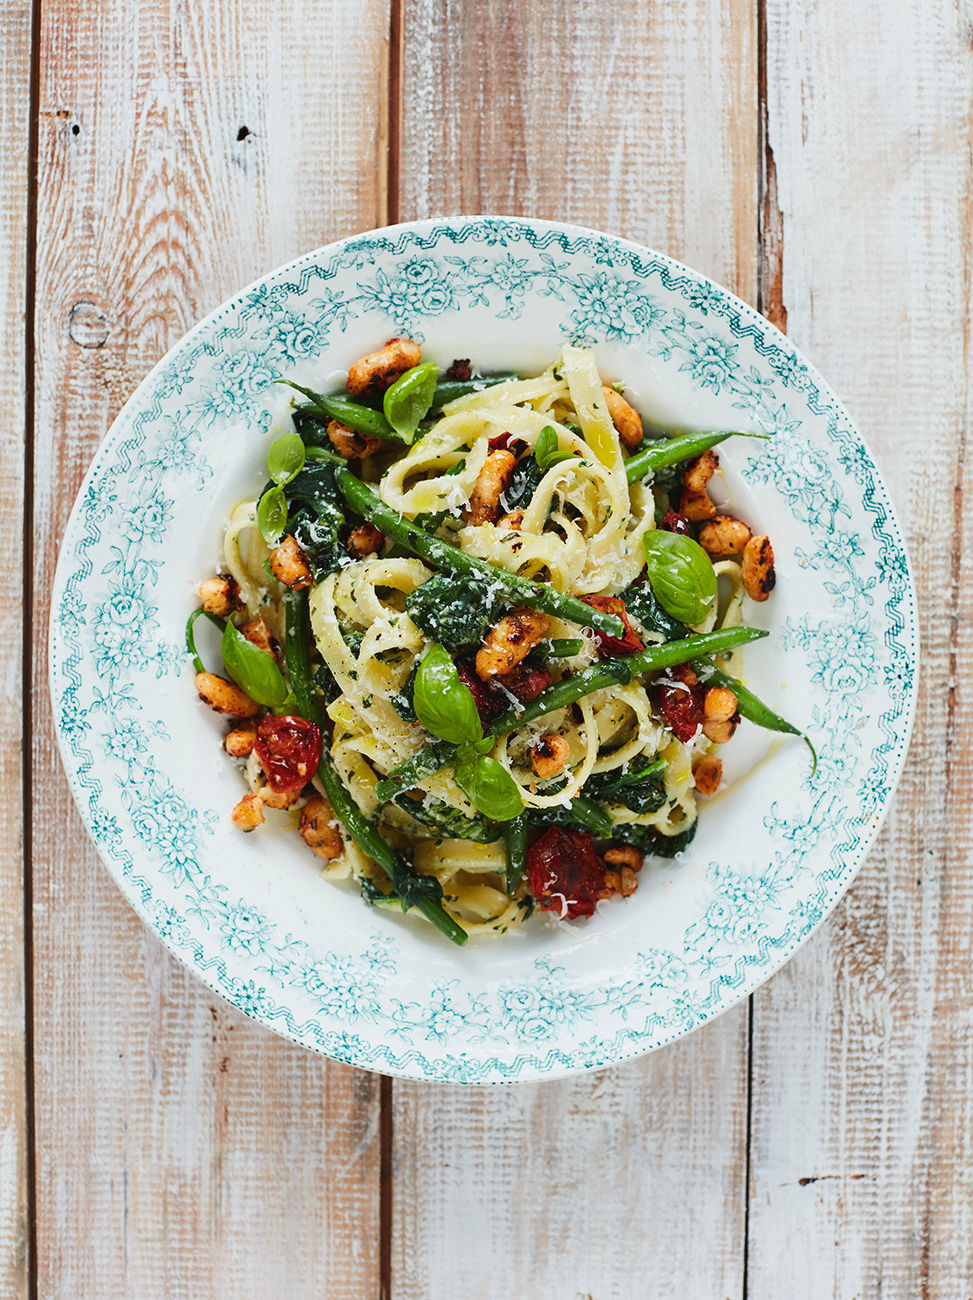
x=298, y=657
x=515, y=835
x=670, y=451
x=448, y=390
x=441, y=555
x=363, y=419
x=623, y=669
x=609, y=672
x=750, y=706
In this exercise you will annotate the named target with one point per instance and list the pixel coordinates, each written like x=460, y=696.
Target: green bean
x=561, y=647
x=670, y=451
x=191, y=634
x=751, y=707
x=515, y=835
x=448, y=390
x=415, y=769
x=441, y=555
x=610, y=672
x=298, y=658
x=363, y=419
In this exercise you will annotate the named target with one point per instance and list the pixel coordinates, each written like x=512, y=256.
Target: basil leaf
x=546, y=451
x=272, y=515
x=285, y=459
x=409, y=399
x=488, y=785
x=681, y=575
x=442, y=703
x=253, y=669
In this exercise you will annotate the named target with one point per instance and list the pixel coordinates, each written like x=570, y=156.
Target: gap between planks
x=392, y=204
x=27, y=658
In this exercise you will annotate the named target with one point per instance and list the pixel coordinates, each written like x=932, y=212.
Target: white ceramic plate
x=249, y=913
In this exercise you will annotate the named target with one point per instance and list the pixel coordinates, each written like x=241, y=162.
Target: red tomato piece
x=566, y=874
x=501, y=442
x=488, y=705
x=289, y=750
x=679, y=698
x=630, y=643
x=525, y=682
x=673, y=522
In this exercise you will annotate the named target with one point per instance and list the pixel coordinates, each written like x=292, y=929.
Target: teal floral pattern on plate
x=250, y=914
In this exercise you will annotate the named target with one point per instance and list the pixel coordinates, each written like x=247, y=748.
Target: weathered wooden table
x=158, y=154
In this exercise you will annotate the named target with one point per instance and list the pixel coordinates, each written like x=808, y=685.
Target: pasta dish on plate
x=482, y=637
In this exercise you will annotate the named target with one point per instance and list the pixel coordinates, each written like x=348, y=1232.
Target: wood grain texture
x=184, y=149
x=862, y=1151
x=645, y=126
x=15, y=33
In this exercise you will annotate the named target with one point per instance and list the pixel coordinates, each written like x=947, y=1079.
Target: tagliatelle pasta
x=488, y=641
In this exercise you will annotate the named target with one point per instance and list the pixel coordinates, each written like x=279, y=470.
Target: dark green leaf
x=523, y=483
x=642, y=789
x=317, y=517
x=649, y=840
x=449, y=822
x=641, y=604
x=403, y=701
x=453, y=610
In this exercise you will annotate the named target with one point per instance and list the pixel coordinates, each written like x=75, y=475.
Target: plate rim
x=531, y=1068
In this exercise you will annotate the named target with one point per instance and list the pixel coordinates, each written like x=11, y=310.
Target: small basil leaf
x=488, y=785
x=285, y=459
x=272, y=515
x=252, y=669
x=409, y=399
x=442, y=703
x=681, y=575
x=546, y=450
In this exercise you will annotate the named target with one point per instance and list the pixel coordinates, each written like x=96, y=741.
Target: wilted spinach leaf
x=453, y=611
x=317, y=517
x=641, y=603
x=649, y=840
x=642, y=789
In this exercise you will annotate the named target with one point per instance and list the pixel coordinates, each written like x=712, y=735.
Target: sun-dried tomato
x=507, y=442
x=488, y=703
x=679, y=698
x=289, y=750
x=673, y=522
x=526, y=681
x=629, y=644
x=460, y=369
x=566, y=874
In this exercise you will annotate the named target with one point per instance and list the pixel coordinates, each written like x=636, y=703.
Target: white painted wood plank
x=182, y=1151
x=862, y=1173
x=629, y=1182
x=15, y=26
